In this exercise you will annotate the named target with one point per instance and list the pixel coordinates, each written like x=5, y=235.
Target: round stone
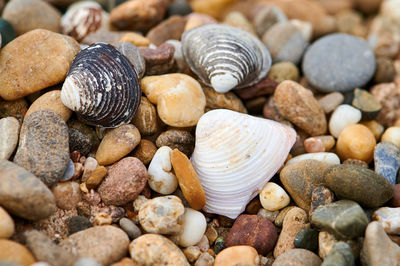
x=343, y=116
x=283, y=71
x=273, y=197
x=339, y=62
x=130, y=228
x=161, y=177
x=15, y=253
x=194, y=227
x=7, y=226
x=392, y=134
x=67, y=195
x=298, y=257
x=237, y=255
x=387, y=161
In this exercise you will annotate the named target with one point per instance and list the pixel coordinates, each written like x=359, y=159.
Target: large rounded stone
x=15, y=254
x=297, y=257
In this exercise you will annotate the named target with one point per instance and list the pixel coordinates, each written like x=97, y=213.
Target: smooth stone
x=307, y=239
x=86, y=262
x=273, y=197
x=219, y=244
x=145, y=151
x=345, y=219
x=377, y=248
x=117, y=143
x=326, y=241
x=385, y=70
x=331, y=101
x=23, y=194
x=96, y=177
x=359, y=184
x=320, y=196
x=130, y=228
x=132, y=53
x=105, y=244
x=238, y=20
x=78, y=223
x=43, y=146
x=162, y=215
x=179, y=7
x=389, y=219
x=69, y=172
x=205, y=259
x=161, y=176
x=44, y=249
x=300, y=179
x=237, y=255
x=179, y=139
x=340, y=254
x=343, y=116
x=318, y=144
x=392, y=134
x=252, y=230
x=9, y=132
x=295, y=220
x=194, y=227
x=367, y=104
x=299, y=106
x=203, y=244
x=387, y=161
x=33, y=53
x=297, y=257
x=90, y=165
x=146, y=118
x=137, y=40
x=395, y=201
x=27, y=15
x=267, y=17
x=325, y=157
x=348, y=63
x=192, y=253
x=217, y=100
x=15, y=253
x=169, y=29
x=152, y=249
x=283, y=71
x=67, y=195
x=7, y=226
x=6, y=31
x=375, y=127
x=271, y=216
x=50, y=101
x=124, y=181
x=159, y=60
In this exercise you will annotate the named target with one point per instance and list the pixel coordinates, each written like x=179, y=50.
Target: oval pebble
x=273, y=197
x=161, y=177
x=9, y=131
x=387, y=161
x=237, y=255
x=343, y=116
x=326, y=157
x=392, y=134
x=194, y=227
x=7, y=226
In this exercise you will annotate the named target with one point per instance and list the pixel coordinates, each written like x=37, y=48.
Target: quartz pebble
x=387, y=160
x=15, y=253
x=271, y=216
x=90, y=165
x=7, y=226
x=194, y=227
x=67, y=195
x=389, y=219
x=392, y=134
x=331, y=101
x=161, y=177
x=297, y=257
x=343, y=116
x=325, y=157
x=273, y=197
x=237, y=255
x=9, y=131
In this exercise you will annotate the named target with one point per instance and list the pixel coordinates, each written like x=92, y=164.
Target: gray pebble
x=130, y=228
x=387, y=161
x=133, y=55
x=69, y=172
x=86, y=262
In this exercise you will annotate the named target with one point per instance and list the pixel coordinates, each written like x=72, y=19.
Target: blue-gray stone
x=387, y=161
x=339, y=62
x=307, y=239
x=341, y=254
x=180, y=7
x=69, y=172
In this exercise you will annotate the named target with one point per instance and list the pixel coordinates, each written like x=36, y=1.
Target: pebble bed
x=202, y=132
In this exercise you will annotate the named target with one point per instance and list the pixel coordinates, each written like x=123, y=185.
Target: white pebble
x=9, y=131
x=389, y=218
x=90, y=165
x=392, y=134
x=343, y=116
x=194, y=227
x=273, y=197
x=326, y=157
x=161, y=177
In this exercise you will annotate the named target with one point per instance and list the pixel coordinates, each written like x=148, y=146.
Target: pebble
x=387, y=161
x=299, y=106
x=340, y=254
x=145, y=151
x=283, y=71
x=321, y=196
x=169, y=29
x=229, y=100
x=252, y=230
x=130, y=228
x=238, y=20
x=162, y=215
x=6, y=31
x=203, y=244
x=27, y=15
x=179, y=7
x=343, y=116
x=367, y=104
x=389, y=219
x=385, y=70
x=192, y=253
x=146, y=118
x=43, y=146
x=161, y=177
x=86, y=262
x=285, y=42
x=198, y=19
x=295, y=220
x=105, y=244
x=159, y=60
x=16, y=108
x=271, y=216
x=267, y=17
x=9, y=132
x=69, y=172
x=326, y=241
x=188, y=180
x=237, y=255
x=78, y=223
x=376, y=128
x=36, y=50
x=90, y=165
x=7, y=226
x=273, y=197
x=205, y=259
x=194, y=227
x=96, y=177
x=348, y=63
x=395, y=202
x=117, y=143
x=177, y=139
x=306, y=239
x=377, y=248
x=124, y=181
x=137, y=40
x=179, y=98
x=359, y=184
x=132, y=53
x=15, y=253
x=67, y=195
x=23, y=194
x=388, y=94
x=331, y=101
x=300, y=179
x=325, y=157
x=356, y=142
x=297, y=257
x=152, y=249
x=319, y=143
x=219, y=244
x=392, y=134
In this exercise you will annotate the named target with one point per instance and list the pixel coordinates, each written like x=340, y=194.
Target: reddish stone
x=263, y=87
x=395, y=202
x=160, y=60
x=170, y=29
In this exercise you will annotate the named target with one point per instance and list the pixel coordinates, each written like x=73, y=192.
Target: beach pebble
x=219, y=244
x=388, y=94
x=283, y=71
x=132, y=53
x=194, y=227
x=161, y=176
x=385, y=70
x=86, y=262
x=321, y=196
x=237, y=255
x=389, y=219
x=340, y=254
x=192, y=253
x=6, y=31
x=15, y=254
x=252, y=230
x=179, y=7
x=23, y=194
x=145, y=151
x=295, y=220
x=344, y=218
x=29, y=71
x=359, y=184
x=105, y=244
x=130, y=228
x=15, y=108
x=151, y=249
x=78, y=141
x=124, y=181
x=159, y=60
x=162, y=215
x=169, y=29
x=96, y=177
x=313, y=144
x=299, y=106
x=9, y=132
x=392, y=134
x=267, y=17
x=78, y=223
x=343, y=116
x=331, y=101
x=348, y=63
x=273, y=197
x=229, y=100
x=7, y=226
x=137, y=40
x=387, y=161
x=297, y=257
x=67, y=195
x=306, y=239
x=238, y=20
x=179, y=139
x=271, y=216
x=117, y=143
x=325, y=157
x=90, y=165
x=43, y=146
x=27, y=15
x=375, y=127
x=395, y=202
x=367, y=104
x=146, y=118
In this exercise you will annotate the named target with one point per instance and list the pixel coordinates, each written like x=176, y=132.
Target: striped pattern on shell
x=235, y=156
x=225, y=57
x=102, y=87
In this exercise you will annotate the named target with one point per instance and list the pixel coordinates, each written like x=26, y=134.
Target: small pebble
x=238, y=20
x=271, y=216
x=385, y=70
x=203, y=244
x=137, y=40
x=389, y=219
x=304, y=27
x=356, y=163
x=325, y=157
x=194, y=227
x=102, y=218
x=219, y=244
x=211, y=234
x=297, y=257
x=273, y=197
x=205, y=259
x=392, y=134
x=343, y=116
x=367, y=104
x=340, y=254
x=90, y=165
x=320, y=196
x=78, y=141
x=145, y=151
x=15, y=253
x=146, y=118
x=132, y=53
x=282, y=71
x=327, y=240
x=307, y=239
x=78, y=223
x=130, y=228
x=15, y=108
x=177, y=139
x=161, y=176
x=387, y=161
x=179, y=7
x=159, y=60
x=169, y=29
x=9, y=132
x=314, y=145
x=67, y=195
x=331, y=101
x=376, y=128
x=237, y=255
x=7, y=226
x=192, y=253
x=267, y=17
x=229, y=100
x=96, y=177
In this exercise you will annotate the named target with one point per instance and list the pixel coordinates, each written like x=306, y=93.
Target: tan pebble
x=216, y=100
x=7, y=226
x=78, y=171
x=102, y=218
x=356, y=142
x=213, y=8
x=205, y=259
x=117, y=143
x=50, y=101
x=15, y=252
x=283, y=71
x=90, y=164
x=146, y=118
x=9, y=133
x=314, y=145
x=211, y=234
x=237, y=255
x=375, y=127
x=273, y=197
x=145, y=151
x=253, y=206
x=238, y=20
x=281, y=216
x=197, y=19
x=188, y=180
x=67, y=195
x=397, y=123
x=392, y=134
x=192, y=253
x=96, y=177
x=136, y=39
x=125, y=262
x=83, y=188
x=330, y=101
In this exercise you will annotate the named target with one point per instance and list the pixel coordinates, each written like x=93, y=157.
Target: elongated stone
x=387, y=161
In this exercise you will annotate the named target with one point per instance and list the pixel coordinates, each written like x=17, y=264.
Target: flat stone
x=15, y=253
x=344, y=218
x=170, y=29
x=43, y=146
x=7, y=226
x=307, y=239
x=297, y=257
x=229, y=100
x=340, y=254
x=23, y=194
x=132, y=53
x=387, y=161
x=9, y=132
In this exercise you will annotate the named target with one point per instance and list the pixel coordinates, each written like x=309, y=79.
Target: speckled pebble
x=273, y=197
x=297, y=257
x=387, y=161
x=9, y=132
x=78, y=223
x=7, y=226
x=79, y=141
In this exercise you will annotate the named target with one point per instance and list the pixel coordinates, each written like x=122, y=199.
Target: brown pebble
x=136, y=39
x=146, y=118
x=356, y=163
x=229, y=100
x=170, y=29
x=395, y=202
x=67, y=195
x=330, y=101
x=321, y=196
x=16, y=108
x=385, y=71
x=145, y=151
x=253, y=206
x=314, y=145
x=388, y=94
x=96, y=177
x=198, y=19
x=237, y=255
x=177, y=139
x=263, y=87
x=376, y=128
x=159, y=60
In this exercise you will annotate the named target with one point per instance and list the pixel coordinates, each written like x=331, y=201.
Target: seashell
x=235, y=156
x=102, y=87
x=225, y=57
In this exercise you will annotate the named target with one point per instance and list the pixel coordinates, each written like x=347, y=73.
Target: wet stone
x=307, y=239
x=387, y=161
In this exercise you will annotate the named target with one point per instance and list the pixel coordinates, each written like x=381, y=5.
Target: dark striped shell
x=102, y=87
x=225, y=57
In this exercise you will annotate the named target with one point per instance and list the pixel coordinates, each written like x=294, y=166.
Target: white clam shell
x=235, y=156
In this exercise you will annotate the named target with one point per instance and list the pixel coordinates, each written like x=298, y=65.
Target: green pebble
x=219, y=244
x=307, y=239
